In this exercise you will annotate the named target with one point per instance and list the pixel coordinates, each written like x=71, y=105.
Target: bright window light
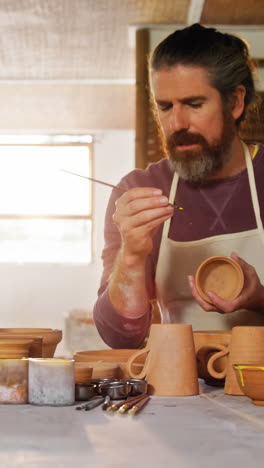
x=45, y=213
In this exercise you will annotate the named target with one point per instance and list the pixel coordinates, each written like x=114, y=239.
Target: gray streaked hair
x=225, y=57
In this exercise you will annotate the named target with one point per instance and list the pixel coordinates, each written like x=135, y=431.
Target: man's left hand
x=251, y=296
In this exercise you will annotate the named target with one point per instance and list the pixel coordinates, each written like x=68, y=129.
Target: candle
x=13, y=380
x=51, y=382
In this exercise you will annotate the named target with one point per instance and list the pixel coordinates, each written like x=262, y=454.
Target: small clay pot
x=221, y=275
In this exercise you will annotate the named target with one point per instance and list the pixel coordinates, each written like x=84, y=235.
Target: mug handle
x=224, y=350
x=143, y=373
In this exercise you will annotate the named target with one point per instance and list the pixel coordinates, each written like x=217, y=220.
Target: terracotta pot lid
x=221, y=275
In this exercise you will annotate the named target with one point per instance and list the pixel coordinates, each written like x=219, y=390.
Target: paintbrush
x=138, y=406
x=116, y=406
x=129, y=404
x=117, y=187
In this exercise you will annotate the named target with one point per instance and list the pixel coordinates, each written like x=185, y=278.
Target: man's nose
x=178, y=120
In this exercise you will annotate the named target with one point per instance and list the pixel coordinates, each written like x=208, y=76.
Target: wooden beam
x=142, y=97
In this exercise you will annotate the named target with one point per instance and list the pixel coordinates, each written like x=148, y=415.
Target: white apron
x=177, y=260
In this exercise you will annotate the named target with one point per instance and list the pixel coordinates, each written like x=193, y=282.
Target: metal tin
x=83, y=392
x=115, y=390
x=99, y=382
x=137, y=386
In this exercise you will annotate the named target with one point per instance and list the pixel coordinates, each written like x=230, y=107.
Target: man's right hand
x=139, y=212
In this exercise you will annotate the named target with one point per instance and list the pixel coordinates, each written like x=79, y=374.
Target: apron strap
x=253, y=189
x=174, y=184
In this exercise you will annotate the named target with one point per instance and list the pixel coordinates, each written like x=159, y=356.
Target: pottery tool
x=122, y=189
x=106, y=403
x=138, y=406
x=130, y=404
x=118, y=405
x=91, y=403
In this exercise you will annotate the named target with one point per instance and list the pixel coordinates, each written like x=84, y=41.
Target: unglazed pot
x=50, y=337
x=207, y=343
x=170, y=367
x=221, y=275
x=13, y=381
x=246, y=345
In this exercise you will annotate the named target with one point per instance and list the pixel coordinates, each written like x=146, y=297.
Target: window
x=45, y=213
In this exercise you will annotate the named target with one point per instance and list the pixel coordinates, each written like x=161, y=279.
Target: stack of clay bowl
x=107, y=363
x=14, y=348
x=43, y=340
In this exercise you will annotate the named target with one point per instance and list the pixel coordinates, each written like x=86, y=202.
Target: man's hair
x=224, y=56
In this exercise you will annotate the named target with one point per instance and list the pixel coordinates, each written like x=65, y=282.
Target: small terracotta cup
x=221, y=275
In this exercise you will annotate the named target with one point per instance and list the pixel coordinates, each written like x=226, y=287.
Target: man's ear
x=238, y=101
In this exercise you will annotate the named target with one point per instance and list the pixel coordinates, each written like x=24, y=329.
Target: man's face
x=198, y=132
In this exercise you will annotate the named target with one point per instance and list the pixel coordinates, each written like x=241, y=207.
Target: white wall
x=40, y=295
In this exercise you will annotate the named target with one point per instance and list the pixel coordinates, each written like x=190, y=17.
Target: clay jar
x=170, y=367
x=246, y=346
x=50, y=337
x=207, y=343
x=221, y=275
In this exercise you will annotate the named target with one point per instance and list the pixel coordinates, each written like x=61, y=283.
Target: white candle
x=51, y=382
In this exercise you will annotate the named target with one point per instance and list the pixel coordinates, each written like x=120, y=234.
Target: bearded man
x=201, y=83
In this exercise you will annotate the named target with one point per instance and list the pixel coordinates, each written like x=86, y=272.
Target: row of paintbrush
x=132, y=405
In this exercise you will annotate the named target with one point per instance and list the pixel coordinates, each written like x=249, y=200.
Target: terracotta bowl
x=106, y=355
x=251, y=382
x=206, y=343
x=35, y=349
x=104, y=370
x=14, y=349
x=221, y=275
x=82, y=372
x=50, y=337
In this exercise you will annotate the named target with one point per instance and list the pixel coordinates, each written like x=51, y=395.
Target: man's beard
x=197, y=166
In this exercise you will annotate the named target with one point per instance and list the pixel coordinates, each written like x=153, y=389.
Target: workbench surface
x=210, y=430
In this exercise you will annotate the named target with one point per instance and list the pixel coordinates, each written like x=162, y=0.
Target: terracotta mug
x=246, y=346
x=170, y=367
x=207, y=343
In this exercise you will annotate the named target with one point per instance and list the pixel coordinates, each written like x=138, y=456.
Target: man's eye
x=165, y=107
x=195, y=105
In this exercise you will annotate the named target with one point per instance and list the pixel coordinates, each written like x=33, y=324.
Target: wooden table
x=209, y=431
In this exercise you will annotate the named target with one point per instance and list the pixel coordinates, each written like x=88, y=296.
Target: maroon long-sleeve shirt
x=208, y=211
